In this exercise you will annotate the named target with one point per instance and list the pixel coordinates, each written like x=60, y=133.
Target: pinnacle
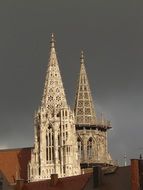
x=84, y=107
x=52, y=40
x=82, y=57
x=54, y=95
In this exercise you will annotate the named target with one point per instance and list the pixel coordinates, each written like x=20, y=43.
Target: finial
x=52, y=40
x=82, y=57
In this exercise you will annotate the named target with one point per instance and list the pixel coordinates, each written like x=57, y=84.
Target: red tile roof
x=67, y=183
x=14, y=162
x=120, y=180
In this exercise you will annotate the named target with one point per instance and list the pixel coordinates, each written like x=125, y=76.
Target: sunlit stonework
x=84, y=107
x=63, y=138
x=91, y=131
x=55, y=148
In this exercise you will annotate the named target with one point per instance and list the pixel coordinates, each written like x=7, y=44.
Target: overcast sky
x=111, y=35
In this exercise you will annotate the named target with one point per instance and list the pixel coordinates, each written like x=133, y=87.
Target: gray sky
x=111, y=35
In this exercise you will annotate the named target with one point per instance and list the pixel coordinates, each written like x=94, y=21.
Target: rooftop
x=13, y=163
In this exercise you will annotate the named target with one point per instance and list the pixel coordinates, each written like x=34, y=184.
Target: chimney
x=19, y=184
x=97, y=176
x=135, y=178
x=141, y=173
x=54, y=179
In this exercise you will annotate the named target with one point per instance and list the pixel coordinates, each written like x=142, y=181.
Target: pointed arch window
x=50, y=145
x=80, y=148
x=59, y=147
x=90, y=148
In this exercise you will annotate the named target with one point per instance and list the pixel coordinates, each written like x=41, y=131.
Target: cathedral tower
x=91, y=131
x=55, y=147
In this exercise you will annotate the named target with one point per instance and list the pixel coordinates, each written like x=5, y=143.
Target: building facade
x=65, y=138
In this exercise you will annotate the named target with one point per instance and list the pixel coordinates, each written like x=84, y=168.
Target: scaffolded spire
x=54, y=95
x=84, y=107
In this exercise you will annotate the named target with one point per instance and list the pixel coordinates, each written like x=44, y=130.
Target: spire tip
x=82, y=57
x=52, y=40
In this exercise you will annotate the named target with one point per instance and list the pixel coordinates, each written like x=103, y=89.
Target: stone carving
x=55, y=147
x=91, y=131
x=63, y=138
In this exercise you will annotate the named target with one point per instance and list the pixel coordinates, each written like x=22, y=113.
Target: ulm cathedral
x=66, y=140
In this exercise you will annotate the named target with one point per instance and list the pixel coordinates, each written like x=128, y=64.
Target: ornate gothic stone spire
x=54, y=95
x=55, y=146
x=84, y=107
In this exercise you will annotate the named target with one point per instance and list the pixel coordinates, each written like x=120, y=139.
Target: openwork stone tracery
x=91, y=131
x=55, y=149
x=63, y=138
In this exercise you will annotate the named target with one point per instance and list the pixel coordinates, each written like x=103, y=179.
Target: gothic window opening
x=64, y=169
x=50, y=145
x=58, y=114
x=59, y=154
x=59, y=147
x=90, y=148
x=84, y=80
x=63, y=127
x=59, y=140
x=80, y=148
x=66, y=136
x=66, y=113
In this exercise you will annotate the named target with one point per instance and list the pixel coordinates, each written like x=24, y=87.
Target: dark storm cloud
x=109, y=32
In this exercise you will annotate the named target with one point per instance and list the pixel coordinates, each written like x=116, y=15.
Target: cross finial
x=52, y=40
x=82, y=57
